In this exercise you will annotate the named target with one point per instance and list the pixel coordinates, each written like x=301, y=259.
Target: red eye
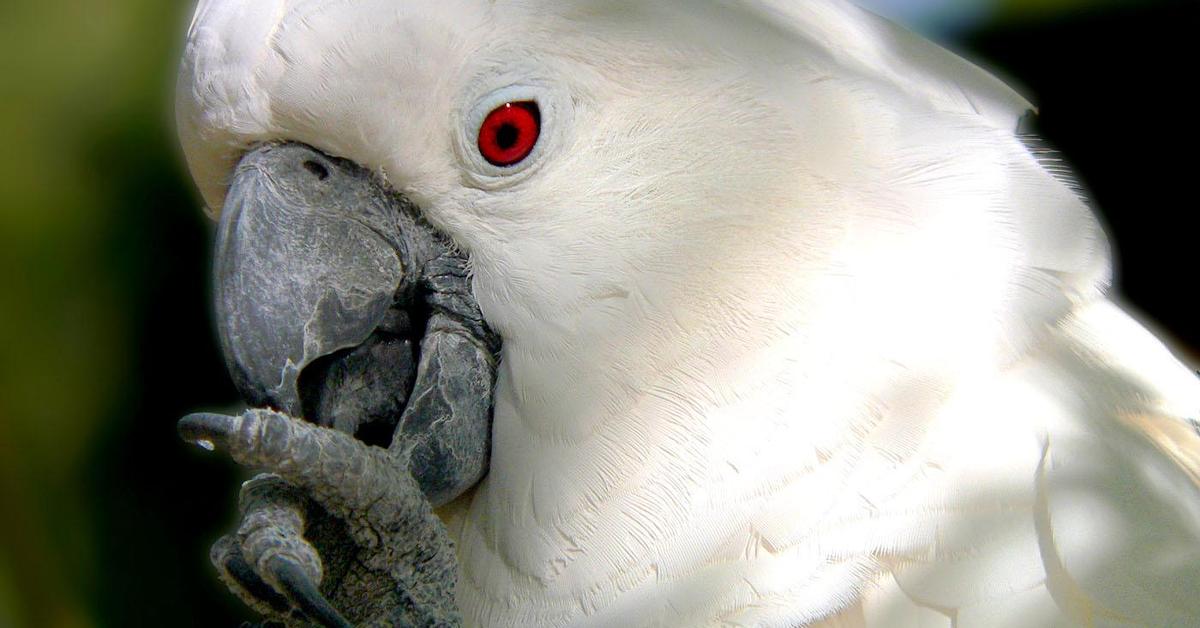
x=509, y=132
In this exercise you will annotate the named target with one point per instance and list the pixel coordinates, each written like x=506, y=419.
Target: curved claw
x=268, y=563
x=238, y=574
x=207, y=429
x=304, y=593
x=239, y=571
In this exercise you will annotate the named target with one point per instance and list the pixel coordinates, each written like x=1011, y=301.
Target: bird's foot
x=337, y=533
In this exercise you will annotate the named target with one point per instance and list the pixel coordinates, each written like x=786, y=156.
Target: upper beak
x=313, y=256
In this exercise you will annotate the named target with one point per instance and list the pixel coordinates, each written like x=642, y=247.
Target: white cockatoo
x=796, y=329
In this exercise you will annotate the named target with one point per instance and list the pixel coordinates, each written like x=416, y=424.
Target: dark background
x=105, y=330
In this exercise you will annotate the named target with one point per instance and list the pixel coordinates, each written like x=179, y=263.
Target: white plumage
x=795, y=329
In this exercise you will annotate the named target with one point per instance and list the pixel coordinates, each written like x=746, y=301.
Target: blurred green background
x=105, y=336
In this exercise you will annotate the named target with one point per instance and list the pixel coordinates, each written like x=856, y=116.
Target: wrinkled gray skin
x=337, y=303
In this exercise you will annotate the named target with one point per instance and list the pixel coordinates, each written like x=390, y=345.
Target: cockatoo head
x=670, y=178
x=635, y=140
x=663, y=131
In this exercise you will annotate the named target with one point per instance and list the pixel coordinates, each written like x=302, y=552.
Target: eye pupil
x=507, y=136
x=509, y=133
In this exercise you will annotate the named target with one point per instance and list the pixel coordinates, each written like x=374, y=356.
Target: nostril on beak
x=317, y=168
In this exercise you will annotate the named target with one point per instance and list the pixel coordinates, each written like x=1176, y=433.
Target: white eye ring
x=477, y=171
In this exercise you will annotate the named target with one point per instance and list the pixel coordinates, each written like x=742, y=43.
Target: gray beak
x=315, y=260
x=336, y=303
